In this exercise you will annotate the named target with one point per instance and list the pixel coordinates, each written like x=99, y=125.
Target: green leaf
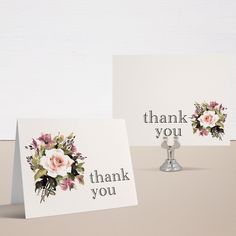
x=59, y=146
x=194, y=130
x=40, y=173
x=80, y=164
x=60, y=139
x=41, y=151
x=66, y=151
x=35, y=162
x=70, y=136
x=71, y=176
x=80, y=167
x=59, y=178
x=220, y=124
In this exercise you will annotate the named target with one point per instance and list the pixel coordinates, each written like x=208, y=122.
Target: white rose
x=56, y=163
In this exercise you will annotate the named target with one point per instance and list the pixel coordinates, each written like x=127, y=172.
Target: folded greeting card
x=69, y=166
x=174, y=95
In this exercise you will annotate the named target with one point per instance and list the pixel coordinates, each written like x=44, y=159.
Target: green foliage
x=71, y=176
x=59, y=178
x=80, y=167
x=46, y=185
x=40, y=173
x=217, y=131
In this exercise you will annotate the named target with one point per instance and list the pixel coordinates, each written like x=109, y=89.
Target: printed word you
x=97, y=178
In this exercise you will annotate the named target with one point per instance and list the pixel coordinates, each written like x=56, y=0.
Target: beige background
x=200, y=200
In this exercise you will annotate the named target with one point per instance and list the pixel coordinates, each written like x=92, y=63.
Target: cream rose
x=56, y=162
x=208, y=119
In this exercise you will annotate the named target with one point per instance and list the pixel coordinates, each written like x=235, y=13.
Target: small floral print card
x=69, y=166
x=188, y=96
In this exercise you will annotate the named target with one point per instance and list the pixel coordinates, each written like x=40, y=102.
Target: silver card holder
x=170, y=164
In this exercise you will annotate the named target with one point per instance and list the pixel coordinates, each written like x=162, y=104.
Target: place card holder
x=170, y=164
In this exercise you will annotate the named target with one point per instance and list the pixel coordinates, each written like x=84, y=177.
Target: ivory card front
x=70, y=166
x=188, y=96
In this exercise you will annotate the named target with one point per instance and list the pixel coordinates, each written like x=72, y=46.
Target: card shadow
x=149, y=169
x=187, y=168
x=12, y=211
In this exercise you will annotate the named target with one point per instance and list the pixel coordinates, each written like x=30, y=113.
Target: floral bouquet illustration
x=209, y=118
x=55, y=163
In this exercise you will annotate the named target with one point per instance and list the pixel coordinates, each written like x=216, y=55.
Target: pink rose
x=56, y=162
x=208, y=119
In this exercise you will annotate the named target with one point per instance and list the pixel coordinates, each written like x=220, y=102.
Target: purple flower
x=67, y=183
x=47, y=140
x=213, y=104
x=73, y=148
x=204, y=132
x=35, y=144
x=222, y=108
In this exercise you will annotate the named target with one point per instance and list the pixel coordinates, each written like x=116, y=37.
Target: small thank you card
x=69, y=166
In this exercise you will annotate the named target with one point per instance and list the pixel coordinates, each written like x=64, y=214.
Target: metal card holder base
x=170, y=164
